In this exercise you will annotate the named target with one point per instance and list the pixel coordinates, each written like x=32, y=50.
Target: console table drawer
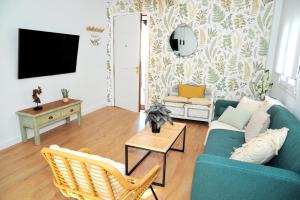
x=70, y=110
x=49, y=117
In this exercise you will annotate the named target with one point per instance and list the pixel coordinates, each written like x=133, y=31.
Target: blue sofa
x=216, y=177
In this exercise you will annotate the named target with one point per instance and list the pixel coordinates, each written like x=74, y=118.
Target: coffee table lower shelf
x=162, y=184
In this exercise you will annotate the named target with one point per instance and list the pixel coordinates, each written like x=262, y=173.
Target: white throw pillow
x=259, y=123
x=249, y=105
x=220, y=125
x=262, y=148
x=118, y=166
x=235, y=117
x=269, y=102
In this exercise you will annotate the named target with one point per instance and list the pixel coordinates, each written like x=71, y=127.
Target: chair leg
x=153, y=192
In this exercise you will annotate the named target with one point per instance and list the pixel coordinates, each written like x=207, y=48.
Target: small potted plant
x=65, y=94
x=157, y=115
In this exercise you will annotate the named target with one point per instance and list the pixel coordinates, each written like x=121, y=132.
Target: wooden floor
x=25, y=175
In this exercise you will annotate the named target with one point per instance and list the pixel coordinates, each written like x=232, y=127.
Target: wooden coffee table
x=156, y=142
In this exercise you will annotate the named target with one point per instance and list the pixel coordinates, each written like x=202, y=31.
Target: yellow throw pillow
x=190, y=91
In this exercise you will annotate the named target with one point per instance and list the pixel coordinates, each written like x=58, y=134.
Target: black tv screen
x=45, y=53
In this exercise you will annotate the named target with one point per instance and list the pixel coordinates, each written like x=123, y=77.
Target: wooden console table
x=51, y=113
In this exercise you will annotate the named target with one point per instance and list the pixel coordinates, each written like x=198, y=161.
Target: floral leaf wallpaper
x=233, y=40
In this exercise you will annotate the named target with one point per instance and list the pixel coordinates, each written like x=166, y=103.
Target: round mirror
x=183, y=41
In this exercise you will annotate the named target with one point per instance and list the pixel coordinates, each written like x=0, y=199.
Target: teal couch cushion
x=221, y=142
x=289, y=155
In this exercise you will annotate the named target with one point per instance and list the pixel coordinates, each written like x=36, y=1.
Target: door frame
x=147, y=66
x=113, y=59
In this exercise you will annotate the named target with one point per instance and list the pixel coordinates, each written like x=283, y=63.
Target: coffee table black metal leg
x=138, y=163
x=183, y=142
x=153, y=192
x=164, y=169
x=127, y=171
x=126, y=160
x=162, y=184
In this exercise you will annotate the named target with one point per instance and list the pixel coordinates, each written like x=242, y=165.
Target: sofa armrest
x=217, y=177
x=221, y=106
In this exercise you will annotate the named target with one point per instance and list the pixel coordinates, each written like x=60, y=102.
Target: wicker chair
x=88, y=179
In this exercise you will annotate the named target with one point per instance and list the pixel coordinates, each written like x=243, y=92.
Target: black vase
x=154, y=127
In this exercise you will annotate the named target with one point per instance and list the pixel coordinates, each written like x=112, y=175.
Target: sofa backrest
x=222, y=105
x=289, y=155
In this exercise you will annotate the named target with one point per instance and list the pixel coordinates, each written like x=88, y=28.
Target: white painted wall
x=64, y=16
x=285, y=12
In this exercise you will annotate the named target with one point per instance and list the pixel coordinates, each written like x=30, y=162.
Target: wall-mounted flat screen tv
x=45, y=53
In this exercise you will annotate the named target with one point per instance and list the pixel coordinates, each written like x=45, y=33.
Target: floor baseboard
x=10, y=142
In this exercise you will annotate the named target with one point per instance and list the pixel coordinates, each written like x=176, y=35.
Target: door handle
x=137, y=70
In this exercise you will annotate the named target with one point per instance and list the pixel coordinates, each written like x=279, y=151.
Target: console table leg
x=68, y=120
x=37, y=139
x=23, y=130
x=79, y=118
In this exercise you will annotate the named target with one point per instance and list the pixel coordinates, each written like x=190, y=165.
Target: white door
x=127, y=61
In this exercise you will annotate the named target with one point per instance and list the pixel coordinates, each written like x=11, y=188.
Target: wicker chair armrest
x=131, y=179
x=148, y=178
x=85, y=150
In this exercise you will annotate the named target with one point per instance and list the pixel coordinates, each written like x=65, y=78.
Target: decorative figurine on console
x=35, y=95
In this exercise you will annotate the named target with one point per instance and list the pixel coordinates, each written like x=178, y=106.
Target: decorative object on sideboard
x=157, y=115
x=65, y=94
x=95, y=34
x=36, y=98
